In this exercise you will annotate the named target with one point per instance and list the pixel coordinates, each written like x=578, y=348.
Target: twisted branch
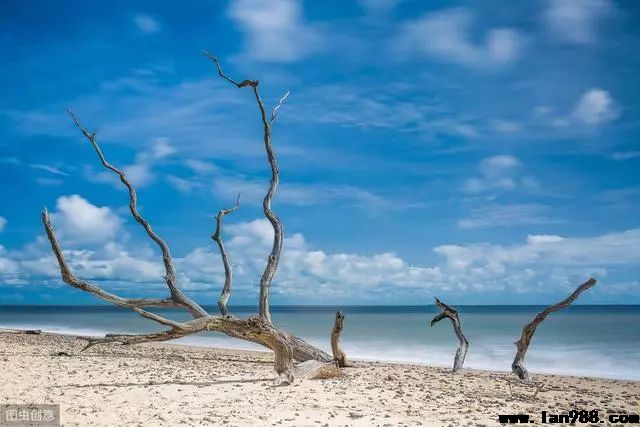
x=228, y=271
x=285, y=346
x=452, y=314
x=529, y=329
x=176, y=294
x=274, y=256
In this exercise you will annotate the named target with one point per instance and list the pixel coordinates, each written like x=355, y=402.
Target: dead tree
x=338, y=355
x=258, y=329
x=452, y=314
x=228, y=270
x=522, y=344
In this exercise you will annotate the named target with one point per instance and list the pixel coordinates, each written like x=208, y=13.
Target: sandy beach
x=164, y=384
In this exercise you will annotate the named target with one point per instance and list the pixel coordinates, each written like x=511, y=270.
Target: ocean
x=582, y=340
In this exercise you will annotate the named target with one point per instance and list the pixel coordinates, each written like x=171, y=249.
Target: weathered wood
x=338, y=354
x=177, y=295
x=529, y=329
x=20, y=331
x=286, y=347
x=228, y=270
x=452, y=314
x=278, y=232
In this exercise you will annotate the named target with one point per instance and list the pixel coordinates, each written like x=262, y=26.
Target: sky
x=485, y=152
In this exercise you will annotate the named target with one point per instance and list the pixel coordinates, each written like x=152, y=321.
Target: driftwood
x=21, y=331
x=259, y=329
x=278, y=233
x=338, y=354
x=228, y=270
x=452, y=314
x=529, y=329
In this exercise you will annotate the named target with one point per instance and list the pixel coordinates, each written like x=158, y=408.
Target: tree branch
x=228, y=271
x=274, y=256
x=529, y=329
x=176, y=294
x=452, y=314
x=338, y=354
x=69, y=278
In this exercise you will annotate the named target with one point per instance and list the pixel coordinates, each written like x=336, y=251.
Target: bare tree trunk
x=338, y=354
x=452, y=314
x=258, y=329
x=529, y=329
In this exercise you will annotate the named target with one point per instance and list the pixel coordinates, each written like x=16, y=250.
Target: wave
x=491, y=355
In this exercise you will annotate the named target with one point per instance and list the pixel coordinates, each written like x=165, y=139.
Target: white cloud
x=546, y=263
x=253, y=192
x=499, y=173
x=146, y=23
x=50, y=169
x=507, y=216
x=140, y=173
x=611, y=249
x=81, y=222
x=447, y=35
x=200, y=167
x=595, y=107
x=3, y=223
x=275, y=30
x=575, y=21
x=181, y=184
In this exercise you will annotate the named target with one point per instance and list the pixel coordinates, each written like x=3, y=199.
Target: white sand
x=162, y=384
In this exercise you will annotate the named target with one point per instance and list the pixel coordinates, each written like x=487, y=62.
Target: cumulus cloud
x=575, y=21
x=146, y=23
x=306, y=273
x=611, y=249
x=303, y=267
x=595, y=107
x=275, y=30
x=447, y=35
x=80, y=221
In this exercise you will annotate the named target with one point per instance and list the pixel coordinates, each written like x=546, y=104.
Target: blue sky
x=482, y=151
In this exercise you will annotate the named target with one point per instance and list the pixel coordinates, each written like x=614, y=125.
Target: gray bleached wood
x=522, y=345
x=228, y=270
x=452, y=314
x=258, y=329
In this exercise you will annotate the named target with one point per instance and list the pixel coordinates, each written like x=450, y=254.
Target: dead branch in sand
x=20, y=331
x=338, y=354
x=530, y=328
x=452, y=314
x=258, y=329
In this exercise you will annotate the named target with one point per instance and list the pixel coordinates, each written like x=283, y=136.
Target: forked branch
x=278, y=234
x=228, y=270
x=529, y=329
x=285, y=346
x=177, y=296
x=452, y=314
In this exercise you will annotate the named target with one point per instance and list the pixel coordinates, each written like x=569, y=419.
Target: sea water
x=582, y=340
